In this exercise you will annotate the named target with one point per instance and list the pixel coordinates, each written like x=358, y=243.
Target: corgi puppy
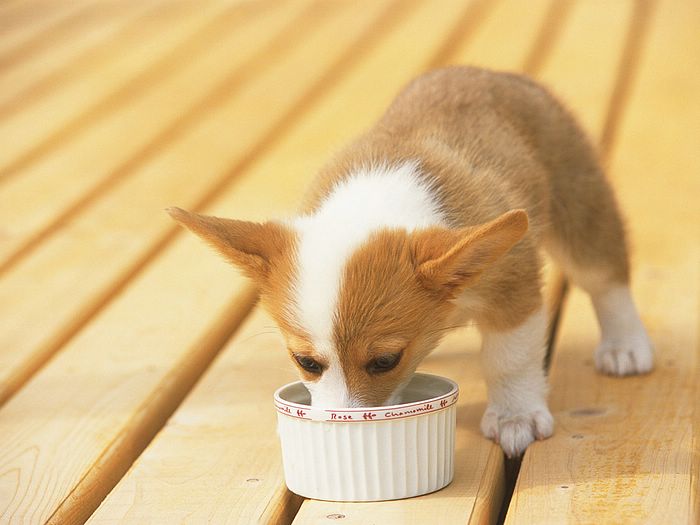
x=435, y=217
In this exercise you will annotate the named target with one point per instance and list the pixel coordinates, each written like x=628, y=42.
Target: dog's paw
x=515, y=432
x=625, y=356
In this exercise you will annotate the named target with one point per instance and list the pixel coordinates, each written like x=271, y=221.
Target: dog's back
x=496, y=141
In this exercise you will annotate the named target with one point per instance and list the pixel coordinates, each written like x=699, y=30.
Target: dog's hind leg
x=587, y=240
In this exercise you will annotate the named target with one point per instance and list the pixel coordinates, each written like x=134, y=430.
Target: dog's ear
x=251, y=246
x=450, y=260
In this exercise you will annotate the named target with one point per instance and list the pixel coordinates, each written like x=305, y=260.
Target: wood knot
x=585, y=412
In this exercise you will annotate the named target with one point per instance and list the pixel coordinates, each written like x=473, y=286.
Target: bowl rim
x=368, y=414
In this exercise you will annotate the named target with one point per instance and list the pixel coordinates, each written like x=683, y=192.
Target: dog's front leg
x=512, y=360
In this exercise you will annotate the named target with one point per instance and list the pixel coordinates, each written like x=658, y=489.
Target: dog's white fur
x=625, y=347
x=517, y=388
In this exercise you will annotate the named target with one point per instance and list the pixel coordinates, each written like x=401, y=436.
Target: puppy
x=432, y=218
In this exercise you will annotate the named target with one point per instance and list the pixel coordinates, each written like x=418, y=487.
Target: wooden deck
x=136, y=374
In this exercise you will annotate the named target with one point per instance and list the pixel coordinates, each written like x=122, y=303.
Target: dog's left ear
x=251, y=246
x=450, y=260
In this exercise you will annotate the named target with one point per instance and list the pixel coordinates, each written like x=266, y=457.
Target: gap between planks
x=646, y=482
x=627, y=67
x=33, y=78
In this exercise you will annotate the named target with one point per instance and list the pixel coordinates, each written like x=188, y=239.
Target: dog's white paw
x=514, y=432
x=625, y=356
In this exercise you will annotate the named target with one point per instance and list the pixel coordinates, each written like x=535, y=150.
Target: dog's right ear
x=450, y=260
x=251, y=246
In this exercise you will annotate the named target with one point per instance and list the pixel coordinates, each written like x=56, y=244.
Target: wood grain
x=61, y=113
x=625, y=449
x=198, y=152
x=31, y=23
x=96, y=405
x=582, y=69
x=19, y=80
x=95, y=160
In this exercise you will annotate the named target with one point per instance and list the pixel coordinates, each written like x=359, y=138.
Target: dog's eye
x=384, y=363
x=309, y=364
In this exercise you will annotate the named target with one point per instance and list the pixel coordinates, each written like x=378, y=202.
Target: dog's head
x=358, y=321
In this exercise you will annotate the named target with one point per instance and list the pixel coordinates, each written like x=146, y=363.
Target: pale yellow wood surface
x=42, y=123
x=183, y=171
x=217, y=459
x=19, y=78
x=583, y=66
x=29, y=22
x=93, y=161
x=625, y=448
x=485, y=46
x=97, y=403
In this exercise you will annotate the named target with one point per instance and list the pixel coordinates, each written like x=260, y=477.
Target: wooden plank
x=238, y=471
x=64, y=443
x=43, y=197
x=134, y=62
x=69, y=28
x=200, y=158
x=582, y=68
x=19, y=80
x=626, y=449
x=65, y=260
x=32, y=21
x=227, y=475
x=506, y=37
x=124, y=138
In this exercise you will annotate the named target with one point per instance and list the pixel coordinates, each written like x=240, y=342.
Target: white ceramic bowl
x=369, y=454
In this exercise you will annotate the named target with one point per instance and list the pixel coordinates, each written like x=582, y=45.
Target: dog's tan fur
x=490, y=143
